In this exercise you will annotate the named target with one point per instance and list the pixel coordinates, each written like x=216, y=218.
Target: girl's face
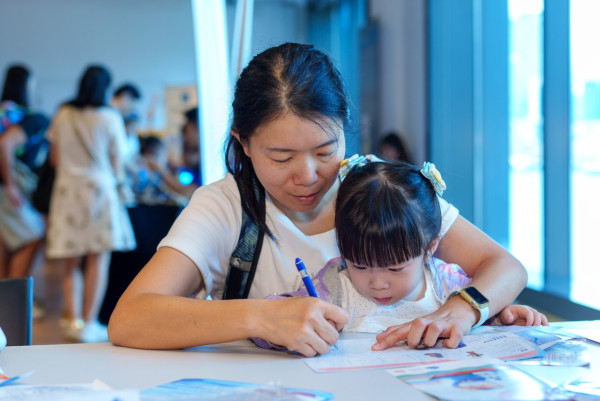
x=388, y=285
x=297, y=161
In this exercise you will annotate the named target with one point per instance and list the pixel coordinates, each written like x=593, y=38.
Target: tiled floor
x=47, y=291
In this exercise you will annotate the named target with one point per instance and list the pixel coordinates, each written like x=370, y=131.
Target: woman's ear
x=432, y=248
x=242, y=142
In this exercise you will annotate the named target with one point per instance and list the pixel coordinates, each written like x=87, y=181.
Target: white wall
x=275, y=22
x=403, y=70
x=148, y=42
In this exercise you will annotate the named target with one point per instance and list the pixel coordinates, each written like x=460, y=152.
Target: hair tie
x=433, y=175
x=348, y=164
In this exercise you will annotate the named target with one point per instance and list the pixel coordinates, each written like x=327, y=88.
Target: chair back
x=16, y=305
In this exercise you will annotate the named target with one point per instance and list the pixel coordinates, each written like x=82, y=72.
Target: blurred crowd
x=67, y=182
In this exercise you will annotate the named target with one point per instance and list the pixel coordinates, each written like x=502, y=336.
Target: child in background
x=147, y=182
x=388, y=222
x=149, y=185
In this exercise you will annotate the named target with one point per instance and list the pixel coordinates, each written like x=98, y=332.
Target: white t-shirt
x=207, y=232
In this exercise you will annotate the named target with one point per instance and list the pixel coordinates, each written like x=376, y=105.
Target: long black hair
x=15, y=85
x=93, y=87
x=386, y=214
x=290, y=78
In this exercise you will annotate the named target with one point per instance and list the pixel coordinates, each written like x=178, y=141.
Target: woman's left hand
x=450, y=322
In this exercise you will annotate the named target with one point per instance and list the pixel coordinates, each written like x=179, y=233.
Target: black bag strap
x=244, y=259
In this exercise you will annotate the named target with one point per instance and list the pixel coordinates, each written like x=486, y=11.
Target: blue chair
x=16, y=304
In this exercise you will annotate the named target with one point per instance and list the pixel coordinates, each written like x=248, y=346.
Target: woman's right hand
x=156, y=312
x=307, y=325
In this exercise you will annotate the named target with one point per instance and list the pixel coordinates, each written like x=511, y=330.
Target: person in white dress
x=87, y=219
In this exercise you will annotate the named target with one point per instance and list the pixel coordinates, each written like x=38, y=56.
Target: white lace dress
x=86, y=215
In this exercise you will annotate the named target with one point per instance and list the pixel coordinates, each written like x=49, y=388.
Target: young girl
x=388, y=222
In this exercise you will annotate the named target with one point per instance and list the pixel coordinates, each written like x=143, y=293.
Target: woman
x=21, y=226
x=87, y=219
x=290, y=113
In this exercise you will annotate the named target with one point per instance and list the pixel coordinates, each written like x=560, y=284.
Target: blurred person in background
x=149, y=183
x=191, y=146
x=21, y=226
x=392, y=148
x=125, y=99
x=87, y=218
x=184, y=179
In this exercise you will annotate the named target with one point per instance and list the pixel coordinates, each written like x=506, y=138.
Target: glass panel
x=585, y=151
x=526, y=135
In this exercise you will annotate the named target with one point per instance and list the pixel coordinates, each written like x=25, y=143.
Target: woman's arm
x=156, y=313
x=495, y=272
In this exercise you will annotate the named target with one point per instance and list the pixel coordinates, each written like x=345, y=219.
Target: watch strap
x=483, y=312
x=483, y=316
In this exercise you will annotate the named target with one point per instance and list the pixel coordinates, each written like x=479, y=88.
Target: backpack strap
x=244, y=259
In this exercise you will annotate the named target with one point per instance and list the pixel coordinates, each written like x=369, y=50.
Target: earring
x=429, y=254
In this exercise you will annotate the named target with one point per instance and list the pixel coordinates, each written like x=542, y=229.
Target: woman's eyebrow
x=277, y=149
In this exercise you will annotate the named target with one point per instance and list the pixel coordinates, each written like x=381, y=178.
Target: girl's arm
x=155, y=312
x=495, y=272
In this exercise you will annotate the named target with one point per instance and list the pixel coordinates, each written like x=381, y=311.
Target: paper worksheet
x=500, y=343
x=64, y=392
x=209, y=389
x=481, y=379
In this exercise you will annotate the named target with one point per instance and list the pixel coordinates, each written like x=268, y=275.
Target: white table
x=123, y=368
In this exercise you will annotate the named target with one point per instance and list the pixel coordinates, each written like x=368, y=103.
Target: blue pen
x=306, y=278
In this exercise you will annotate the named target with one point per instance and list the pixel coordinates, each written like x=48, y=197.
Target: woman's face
x=297, y=161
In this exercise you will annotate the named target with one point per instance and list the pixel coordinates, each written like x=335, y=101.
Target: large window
x=536, y=154
x=585, y=151
x=526, y=136
x=550, y=169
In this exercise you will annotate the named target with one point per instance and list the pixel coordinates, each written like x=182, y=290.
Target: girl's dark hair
x=385, y=214
x=150, y=144
x=15, y=85
x=290, y=78
x=92, y=88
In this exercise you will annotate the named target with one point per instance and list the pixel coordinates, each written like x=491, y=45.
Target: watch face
x=476, y=295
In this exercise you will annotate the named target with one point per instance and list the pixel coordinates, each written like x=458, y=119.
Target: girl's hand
x=521, y=315
x=304, y=324
x=450, y=322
